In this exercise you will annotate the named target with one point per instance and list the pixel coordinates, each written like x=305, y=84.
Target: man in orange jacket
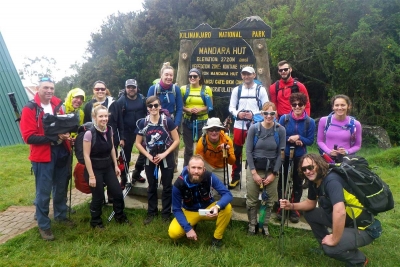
x=210, y=146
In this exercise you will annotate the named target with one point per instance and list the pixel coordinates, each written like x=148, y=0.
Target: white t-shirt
x=47, y=108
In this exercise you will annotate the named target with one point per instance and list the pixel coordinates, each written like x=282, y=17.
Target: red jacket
x=40, y=151
x=281, y=100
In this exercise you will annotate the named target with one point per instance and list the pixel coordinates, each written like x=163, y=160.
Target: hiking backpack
x=370, y=190
x=257, y=96
x=78, y=146
x=306, y=123
x=161, y=122
x=258, y=131
x=351, y=126
x=158, y=91
x=205, y=97
x=293, y=89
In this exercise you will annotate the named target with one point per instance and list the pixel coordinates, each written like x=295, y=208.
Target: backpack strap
x=239, y=95
x=258, y=96
x=306, y=125
x=276, y=91
x=257, y=135
x=204, y=143
x=187, y=92
x=328, y=123
x=294, y=88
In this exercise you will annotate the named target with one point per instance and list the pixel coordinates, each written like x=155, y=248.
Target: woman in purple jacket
x=339, y=134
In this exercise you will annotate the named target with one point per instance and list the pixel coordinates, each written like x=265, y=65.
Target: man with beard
x=338, y=208
x=191, y=193
x=245, y=105
x=132, y=105
x=281, y=90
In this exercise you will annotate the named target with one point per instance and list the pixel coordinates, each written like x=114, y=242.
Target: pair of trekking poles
x=287, y=189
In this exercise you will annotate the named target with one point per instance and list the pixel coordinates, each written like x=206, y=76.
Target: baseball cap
x=130, y=82
x=248, y=69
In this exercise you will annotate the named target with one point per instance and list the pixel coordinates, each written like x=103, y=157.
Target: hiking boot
x=166, y=219
x=279, y=214
x=148, y=219
x=123, y=221
x=46, y=234
x=136, y=177
x=251, y=230
x=67, y=222
x=216, y=243
x=294, y=216
x=71, y=210
x=99, y=227
x=234, y=183
x=265, y=232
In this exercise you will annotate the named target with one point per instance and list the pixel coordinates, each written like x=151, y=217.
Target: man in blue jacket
x=192, y=192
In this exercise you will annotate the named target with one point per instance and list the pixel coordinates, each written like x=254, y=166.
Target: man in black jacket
x=132, y=106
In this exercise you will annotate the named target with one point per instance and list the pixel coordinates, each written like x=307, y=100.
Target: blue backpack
x=351, y=126
x=257, y=96
x=258, y=131
x=205, y=97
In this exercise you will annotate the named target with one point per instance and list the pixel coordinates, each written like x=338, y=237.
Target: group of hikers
x=275, y=125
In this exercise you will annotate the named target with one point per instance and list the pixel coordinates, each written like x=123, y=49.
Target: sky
x=55, y=29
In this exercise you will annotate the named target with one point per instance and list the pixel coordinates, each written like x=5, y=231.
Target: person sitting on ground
x=210, y=146
x=264, y=143
x=191, y=192
x=352, y=227
x=101, y=168
x=300, y=130
x=343, y=135
x=156, y=139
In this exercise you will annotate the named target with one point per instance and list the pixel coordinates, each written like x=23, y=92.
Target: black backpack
x=373, y=193
x=78, y=146
x=293, y=89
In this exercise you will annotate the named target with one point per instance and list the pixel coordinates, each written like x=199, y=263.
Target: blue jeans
x=51, y=179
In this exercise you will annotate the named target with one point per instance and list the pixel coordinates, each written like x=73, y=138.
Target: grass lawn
x=139, y=245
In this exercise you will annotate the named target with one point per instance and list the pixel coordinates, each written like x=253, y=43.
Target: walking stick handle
x=291, y=152
x=283, y=154
x=224, y=152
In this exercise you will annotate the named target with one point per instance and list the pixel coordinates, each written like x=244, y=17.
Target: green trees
x=348, y=47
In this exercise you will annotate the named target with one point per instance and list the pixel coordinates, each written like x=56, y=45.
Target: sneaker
x=99, y=227
x=365, y=262
x=148, y=219
x=234, y=183
x=46, y=234
x=216, y=243
x=141, y=179
x=66, y=222
x=294, y=217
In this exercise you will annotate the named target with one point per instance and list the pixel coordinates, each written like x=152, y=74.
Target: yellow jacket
x=213, y=154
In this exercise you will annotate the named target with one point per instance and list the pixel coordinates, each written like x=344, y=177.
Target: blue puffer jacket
x=294, y=127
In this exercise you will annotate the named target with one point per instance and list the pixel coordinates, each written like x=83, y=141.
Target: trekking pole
x=195, y=135
x=70, y=180
x=282, y=226
x=128, y=185
x=11, y=96
x=289, y=182
x=225, y=158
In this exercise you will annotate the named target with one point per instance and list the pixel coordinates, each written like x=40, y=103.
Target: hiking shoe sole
x=46, y=234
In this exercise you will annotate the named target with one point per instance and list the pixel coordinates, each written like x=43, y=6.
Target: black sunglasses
x=283, y=70
x=297, y=104
x=100, y=89
x=308, y=167
x=150, y=106
x=193, y=76
x=266, y=113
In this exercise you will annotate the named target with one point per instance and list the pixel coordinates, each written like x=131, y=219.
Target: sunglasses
x=150, y=106
x=100, y=89
x=131, y=87
x=214, y=130
x=193, y=76
x=266, y=113
x=308, y=167
x=297, y=104
x=283, y=70
x=46, y=79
